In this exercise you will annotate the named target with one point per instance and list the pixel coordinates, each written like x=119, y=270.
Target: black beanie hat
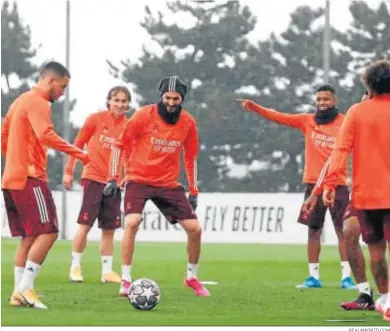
x=173, y=84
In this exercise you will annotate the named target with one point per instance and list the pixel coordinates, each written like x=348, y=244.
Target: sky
x=102, y=29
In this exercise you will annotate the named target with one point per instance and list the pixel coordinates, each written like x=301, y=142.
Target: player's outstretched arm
x=296, y=121
x=43, y=127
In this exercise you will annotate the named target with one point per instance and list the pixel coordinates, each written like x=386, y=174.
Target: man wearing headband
x=153, y=140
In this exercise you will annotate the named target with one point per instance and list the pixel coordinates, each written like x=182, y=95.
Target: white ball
x=144, y=294
x=380, y=303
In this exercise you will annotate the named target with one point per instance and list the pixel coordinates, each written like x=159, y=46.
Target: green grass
x=256, y=287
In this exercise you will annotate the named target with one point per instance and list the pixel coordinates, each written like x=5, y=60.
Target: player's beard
x=324, y=116
x=170, y=117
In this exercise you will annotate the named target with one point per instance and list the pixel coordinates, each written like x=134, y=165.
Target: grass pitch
x=256, y=287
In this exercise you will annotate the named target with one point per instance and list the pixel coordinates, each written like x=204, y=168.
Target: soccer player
x=26, y=133
x=320, y=130
x=366, y=133
x=154, y=138
x=99, y=132
x=351, y=230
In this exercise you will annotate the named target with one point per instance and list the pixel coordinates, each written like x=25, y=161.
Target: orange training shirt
x=319, y=140
x=99, y=132
x=365, y=133
x=154, y=149
x=26, y=133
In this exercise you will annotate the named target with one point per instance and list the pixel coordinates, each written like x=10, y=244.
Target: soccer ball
x=144, y=294
x=380, y=303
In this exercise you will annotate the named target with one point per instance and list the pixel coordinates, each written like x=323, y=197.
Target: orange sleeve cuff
x=317, y=190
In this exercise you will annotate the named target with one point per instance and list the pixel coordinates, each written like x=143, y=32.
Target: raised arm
x=296, y=121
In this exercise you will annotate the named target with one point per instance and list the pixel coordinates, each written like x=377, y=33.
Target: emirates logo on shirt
x=107, y=141
x=165, y=145
x=323, y=140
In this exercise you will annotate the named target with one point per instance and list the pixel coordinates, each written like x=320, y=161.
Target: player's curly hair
x=113, y=91
x=377, y=77
x=326, y=88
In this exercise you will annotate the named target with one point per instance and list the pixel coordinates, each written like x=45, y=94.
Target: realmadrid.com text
x=370, y=329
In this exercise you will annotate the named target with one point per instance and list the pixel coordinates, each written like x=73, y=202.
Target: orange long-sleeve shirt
x=154, y=149
x=366, y=133
x=99, y=132
x=26, y=133
x=319, y=140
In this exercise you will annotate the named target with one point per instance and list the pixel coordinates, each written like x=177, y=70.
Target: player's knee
x=339, y=233
x=315, y=234
x=84, y=229
x=197, y=231
x=193, y=228
x=108, y=232
x=377, y=250
x=351, y=229
x=52, y=236
x=132, y=221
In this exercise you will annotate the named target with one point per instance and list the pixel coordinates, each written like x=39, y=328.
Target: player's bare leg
x=36, y=256
x=313, y=256
x=78, y=246
x=346, y=280
x=20, y=263
x=132, y=223
x=314, y=245
x=384, y=306
x=194, y=234
x=21, y=257
x=342, y=245
x=355, y=255
x=106, y=253
x=351, y=230
x=379, y=265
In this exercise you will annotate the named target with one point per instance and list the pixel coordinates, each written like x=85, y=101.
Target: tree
x=366, y=40
x=210, y=57
x=19, y=72
x=16, y=53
